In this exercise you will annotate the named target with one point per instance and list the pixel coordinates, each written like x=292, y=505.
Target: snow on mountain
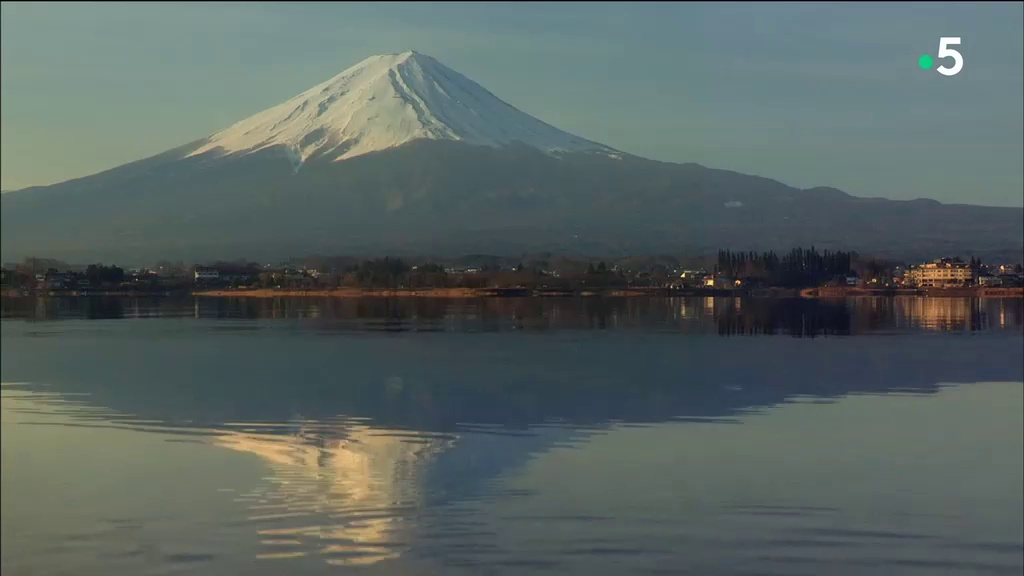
x=385, y=101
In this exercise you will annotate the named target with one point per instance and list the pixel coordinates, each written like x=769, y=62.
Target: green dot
x=925, y=62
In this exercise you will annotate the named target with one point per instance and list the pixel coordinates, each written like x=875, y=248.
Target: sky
x=808, y=94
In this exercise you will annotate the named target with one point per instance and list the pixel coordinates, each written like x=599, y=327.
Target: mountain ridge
x=262, y=187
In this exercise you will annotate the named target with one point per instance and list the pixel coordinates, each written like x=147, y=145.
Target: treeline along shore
x=456, y=293
x=465, y=293
x=802, y=272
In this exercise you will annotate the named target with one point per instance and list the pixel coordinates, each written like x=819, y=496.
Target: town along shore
x=829, y=292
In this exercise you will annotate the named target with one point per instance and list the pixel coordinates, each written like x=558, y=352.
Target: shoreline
x=453, y=293
x=338, y=293
x=473, y=293
x=972, y=292
x=466, y=293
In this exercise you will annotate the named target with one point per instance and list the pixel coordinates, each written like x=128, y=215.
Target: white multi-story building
x=207, y=274
x=939, y=273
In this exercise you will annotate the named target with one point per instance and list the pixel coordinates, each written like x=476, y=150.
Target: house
x=1011, y=279
x=720, y=282
x=236, y=275
x=54, y=280
x=225, y=274
x=852, y=281
x=204, y=274
x=691, y=278
x=990, y=281
x=15, y=278
x=145, y=275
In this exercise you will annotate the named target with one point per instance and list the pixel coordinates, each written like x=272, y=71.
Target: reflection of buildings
x=941, y=313
x=346, y=495
x=689, y=309
x=722, y=315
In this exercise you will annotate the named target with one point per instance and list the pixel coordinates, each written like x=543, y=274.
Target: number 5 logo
x=946, y=52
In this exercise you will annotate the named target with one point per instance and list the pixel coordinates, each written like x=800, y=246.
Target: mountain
x=401, y=154
x=384, y=102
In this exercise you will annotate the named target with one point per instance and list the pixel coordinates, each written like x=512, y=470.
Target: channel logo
x=926, y=62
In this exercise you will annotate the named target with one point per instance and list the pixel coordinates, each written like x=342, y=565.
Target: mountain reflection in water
x=370, y=479
x=382, y=444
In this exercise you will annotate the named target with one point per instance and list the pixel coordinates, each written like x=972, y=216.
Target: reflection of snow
x=347, y=493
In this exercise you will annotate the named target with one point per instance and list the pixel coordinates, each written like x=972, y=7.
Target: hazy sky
x=809, y=94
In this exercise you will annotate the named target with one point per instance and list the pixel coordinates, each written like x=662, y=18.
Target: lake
x=711, y=436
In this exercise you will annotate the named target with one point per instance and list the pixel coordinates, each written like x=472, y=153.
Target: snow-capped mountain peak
x=383, y=102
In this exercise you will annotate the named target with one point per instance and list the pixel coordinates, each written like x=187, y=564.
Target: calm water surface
x=631, y=436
